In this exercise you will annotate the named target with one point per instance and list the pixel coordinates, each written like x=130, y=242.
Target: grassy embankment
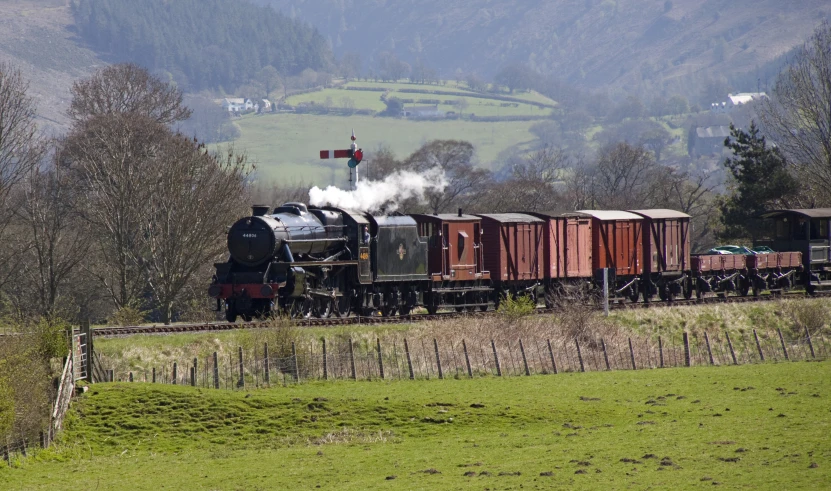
x=753, y=426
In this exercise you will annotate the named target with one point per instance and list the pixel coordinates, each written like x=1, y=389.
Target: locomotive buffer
x=354, y=154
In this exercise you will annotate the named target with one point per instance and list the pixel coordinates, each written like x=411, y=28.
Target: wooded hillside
x=203, y=44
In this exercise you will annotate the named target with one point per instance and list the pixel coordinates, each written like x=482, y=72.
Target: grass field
x=285, y=147
x=749, y=427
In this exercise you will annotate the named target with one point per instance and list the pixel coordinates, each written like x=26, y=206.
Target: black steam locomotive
x=320, y=262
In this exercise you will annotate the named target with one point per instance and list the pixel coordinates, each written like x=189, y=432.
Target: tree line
x=201, y=44
x=122, y=216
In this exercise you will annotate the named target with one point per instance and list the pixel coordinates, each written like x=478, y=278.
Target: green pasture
x=339, y=97
x=749, y=427
x=285, y=147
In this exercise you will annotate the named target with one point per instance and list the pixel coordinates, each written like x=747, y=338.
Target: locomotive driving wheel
x=323, y=307
x=301, y=308
x=343, y=306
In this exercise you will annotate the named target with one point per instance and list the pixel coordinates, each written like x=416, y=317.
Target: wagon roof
x=658, y=213
x=448, y=217
x=611, y=214
x=808, y=212
x=510, y=217
x=399, y=220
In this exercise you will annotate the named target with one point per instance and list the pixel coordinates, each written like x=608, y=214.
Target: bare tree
x=109, y=153
x=193, y=195
x=20, y=149
x=454, y=158
x=533, y=183
x=798, y=117
x=57, y=237
x=621, y=177
x=127, y=88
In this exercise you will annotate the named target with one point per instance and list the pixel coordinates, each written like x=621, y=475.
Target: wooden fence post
x=810, y=344
x=6, y=455
x=241, y=381
x=496, y=359
x=193, y=376
x=111, y=375
x=605, y=354
x=782, y=341
x=409, y=359
x=579, y=355
x=730, y=345
x=325, y=361
x=467, y=360
x=524, y=360
x=195, y=371
x=154, y=375
x=175, y=373
x=551, y=354
x=632, y=355
x=294, y=360
x=660, y=352
x=380, y=359
x=352, y=360
x=686, y=349
x=216, y=371
x=438, y=359
x=267, y=364
x=759, y=345
x=131, y=376
x=709, y=351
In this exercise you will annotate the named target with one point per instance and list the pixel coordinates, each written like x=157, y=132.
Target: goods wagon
x=617, y=244
x=514, y=251
x=455, y=261
x=666, y=253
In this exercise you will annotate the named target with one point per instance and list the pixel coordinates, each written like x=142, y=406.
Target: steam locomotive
x=322, y=261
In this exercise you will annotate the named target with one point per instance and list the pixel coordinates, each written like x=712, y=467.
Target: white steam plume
x=389, y=193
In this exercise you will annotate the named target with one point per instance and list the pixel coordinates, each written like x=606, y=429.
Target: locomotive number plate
x=250, y=236
x=364, y=256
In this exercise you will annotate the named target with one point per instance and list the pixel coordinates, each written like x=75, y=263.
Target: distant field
x=750, y=426
x=286, y=147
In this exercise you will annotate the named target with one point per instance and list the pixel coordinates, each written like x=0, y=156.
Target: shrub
x=128, y=315
x=514, y=307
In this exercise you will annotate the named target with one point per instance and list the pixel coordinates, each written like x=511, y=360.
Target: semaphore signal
x=353, y=153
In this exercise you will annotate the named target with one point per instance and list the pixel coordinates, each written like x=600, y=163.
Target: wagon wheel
x=483, y=299
x=633, y=292
x=743, y=287
x=755, y=289
x=388, y=310
x=404, y=309
x=688, y=289
x=246, y=317
x=663, y=292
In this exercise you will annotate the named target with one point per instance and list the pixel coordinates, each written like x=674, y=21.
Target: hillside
x=37, y=37
x=637, y=44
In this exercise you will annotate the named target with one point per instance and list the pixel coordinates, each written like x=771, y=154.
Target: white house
x=735, y=100
x=237, y=104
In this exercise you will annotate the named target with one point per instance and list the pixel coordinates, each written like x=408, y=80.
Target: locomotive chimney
x=259, y=210
x=460, y=212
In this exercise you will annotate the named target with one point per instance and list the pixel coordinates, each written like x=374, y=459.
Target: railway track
x=370, y=320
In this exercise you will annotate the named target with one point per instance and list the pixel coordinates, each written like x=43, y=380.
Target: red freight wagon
x=514, y=247
x=454, y=261
x=616, y=241
x=718, y=263
x=774, y=260
x=666, y=252
x=568, y=250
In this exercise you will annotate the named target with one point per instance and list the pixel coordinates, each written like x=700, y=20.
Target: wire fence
x=433, y=359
